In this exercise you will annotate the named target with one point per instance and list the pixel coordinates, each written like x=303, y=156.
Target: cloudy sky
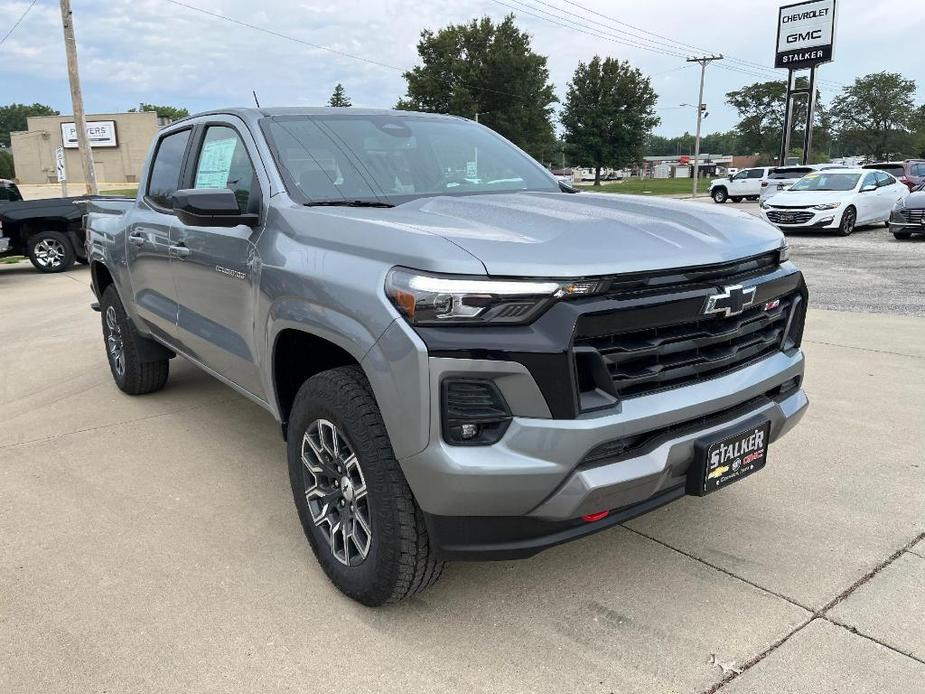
x=162, y=52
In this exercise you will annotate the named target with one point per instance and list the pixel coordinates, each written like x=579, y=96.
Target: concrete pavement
x=150, y=544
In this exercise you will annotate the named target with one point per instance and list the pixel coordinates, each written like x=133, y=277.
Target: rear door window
x=165, y=171
x=884, y=179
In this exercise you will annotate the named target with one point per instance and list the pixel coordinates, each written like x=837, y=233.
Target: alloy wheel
x=50, y=253
x=335, y=492
x=847, y=222
x=114, y=341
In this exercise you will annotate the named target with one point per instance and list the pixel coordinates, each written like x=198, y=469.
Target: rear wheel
x=356, y=508
x=131, y=374
x=849, y=219
x=50, y=251
x=719, y=195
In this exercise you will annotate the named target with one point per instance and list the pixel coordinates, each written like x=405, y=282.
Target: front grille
x=789, y=216
x=644, y=361
x=913, y=216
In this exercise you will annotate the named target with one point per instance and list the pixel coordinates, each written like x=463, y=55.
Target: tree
x=761, y=110
x=487, y=70
x=170, y=112
x=13, y=117
x=339, y=98
x=7, y=169
x=876, y=114
x=608, y=113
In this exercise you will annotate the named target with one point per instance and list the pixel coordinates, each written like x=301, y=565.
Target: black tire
x=399, y=561
x=131, y=375
x=719, y=195
x=83, y=261
x=51, y=251
x=736, y=198
x=902, y=235
x=849, y=219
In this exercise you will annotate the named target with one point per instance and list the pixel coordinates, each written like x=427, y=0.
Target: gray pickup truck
x=468, y=359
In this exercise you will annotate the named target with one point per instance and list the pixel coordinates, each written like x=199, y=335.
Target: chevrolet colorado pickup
x=468, y=359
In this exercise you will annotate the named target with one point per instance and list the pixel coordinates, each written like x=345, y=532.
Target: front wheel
x=902, y=235
x=356, y=508
x=50, y=251
x=131, y=374
x=719, y=196
x=849, y=219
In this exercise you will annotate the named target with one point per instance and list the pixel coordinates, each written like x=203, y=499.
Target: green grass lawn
x=124, y=192
x=649, y=186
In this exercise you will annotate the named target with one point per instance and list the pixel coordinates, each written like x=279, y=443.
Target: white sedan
x=837, y=199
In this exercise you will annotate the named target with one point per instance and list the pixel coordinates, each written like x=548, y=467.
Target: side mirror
x=210, y=207
x=869, y=188
x=730, y=177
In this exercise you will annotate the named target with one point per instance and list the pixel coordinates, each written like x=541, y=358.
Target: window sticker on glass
x=215, y=163
x=472, y=169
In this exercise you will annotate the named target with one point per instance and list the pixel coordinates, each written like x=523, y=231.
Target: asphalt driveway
x=151, y=545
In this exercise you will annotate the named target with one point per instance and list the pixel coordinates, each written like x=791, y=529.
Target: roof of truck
x=250, y=113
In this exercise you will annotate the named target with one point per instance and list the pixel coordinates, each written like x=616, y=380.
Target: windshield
x=827, y=181
x=387, y=158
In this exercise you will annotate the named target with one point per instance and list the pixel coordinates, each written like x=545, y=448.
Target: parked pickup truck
x=468, y=360
x=49, y=231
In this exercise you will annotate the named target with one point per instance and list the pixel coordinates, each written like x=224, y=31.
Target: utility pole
x=704, y=61
x=80, y=120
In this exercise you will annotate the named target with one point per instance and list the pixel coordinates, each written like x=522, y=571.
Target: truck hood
x=586, y=234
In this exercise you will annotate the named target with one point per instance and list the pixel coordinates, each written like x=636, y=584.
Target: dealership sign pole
x=805, y=38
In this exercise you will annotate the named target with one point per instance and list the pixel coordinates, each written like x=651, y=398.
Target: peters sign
x=101, y=133
x=805, y=34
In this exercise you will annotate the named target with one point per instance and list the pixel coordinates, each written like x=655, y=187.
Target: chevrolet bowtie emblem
x=731, y=302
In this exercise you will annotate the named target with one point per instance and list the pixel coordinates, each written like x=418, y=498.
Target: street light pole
x=703, y=61
x=80, y=119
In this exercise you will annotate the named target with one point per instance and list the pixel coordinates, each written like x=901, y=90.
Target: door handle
x=137, y=238
x=178, y=251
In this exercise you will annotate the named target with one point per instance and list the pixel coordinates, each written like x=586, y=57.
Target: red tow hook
x=591, y=517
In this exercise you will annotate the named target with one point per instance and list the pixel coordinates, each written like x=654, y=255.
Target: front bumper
x=821, y=219
x=906, y=226
x=627, y=487
x=540, y=469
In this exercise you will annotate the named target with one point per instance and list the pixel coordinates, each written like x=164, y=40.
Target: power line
x=585, y=30
x=328, y=49
x=18, y=22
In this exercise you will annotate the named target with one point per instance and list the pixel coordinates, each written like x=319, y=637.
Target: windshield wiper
x=348, y=203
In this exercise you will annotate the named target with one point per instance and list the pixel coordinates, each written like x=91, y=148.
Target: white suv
x=745, y=184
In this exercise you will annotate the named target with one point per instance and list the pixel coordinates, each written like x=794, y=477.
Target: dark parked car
x=909, y=214
x=8, y=191
x=49, y=232
x=911, y=171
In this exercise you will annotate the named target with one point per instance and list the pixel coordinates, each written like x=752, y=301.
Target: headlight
x=765, y=205
x=827, y=206
x=784, y=252
x=426, y=299
x=900, y=204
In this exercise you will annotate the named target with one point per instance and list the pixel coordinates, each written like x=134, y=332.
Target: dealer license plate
x=722, y=460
